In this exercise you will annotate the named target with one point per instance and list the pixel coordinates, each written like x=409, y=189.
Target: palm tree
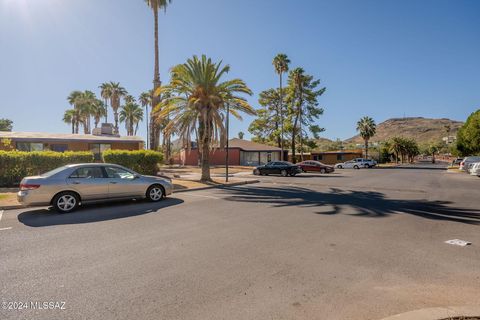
x=129, y=99
x=281, y=62
x=367, y=128
x=70, y=117
x=197, y=104
x=156, y=5
x=99, y=110
x=145, y=100
x=396, y=146
x=117, y=92
x=131, y=114
x=75, y=101
x=87, y=101
x=106, y=93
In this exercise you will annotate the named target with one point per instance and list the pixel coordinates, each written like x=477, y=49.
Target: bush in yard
x=15, y=165
x=141, y=161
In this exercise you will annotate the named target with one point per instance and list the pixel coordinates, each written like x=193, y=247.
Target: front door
x=123, y=183
x=89, y=182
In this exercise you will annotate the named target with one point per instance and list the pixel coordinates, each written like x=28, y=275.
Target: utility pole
x=226, y=155
x=148, y=125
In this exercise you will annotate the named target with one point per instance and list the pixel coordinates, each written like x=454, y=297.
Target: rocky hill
x=423, y=130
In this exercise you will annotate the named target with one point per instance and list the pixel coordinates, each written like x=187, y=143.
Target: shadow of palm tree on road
x=365, y=203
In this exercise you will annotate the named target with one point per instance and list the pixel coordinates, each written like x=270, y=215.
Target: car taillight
x=24, y=187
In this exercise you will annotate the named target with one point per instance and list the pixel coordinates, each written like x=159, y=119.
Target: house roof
x=250, y=145
x=354, y=151
x=64, y=137
x=246, y=145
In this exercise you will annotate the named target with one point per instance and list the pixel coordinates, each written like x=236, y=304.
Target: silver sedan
x=67, y=187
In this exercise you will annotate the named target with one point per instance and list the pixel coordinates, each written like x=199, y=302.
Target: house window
x=98, y=148
x=29, y=146
x=340, y=156
x=59, y=147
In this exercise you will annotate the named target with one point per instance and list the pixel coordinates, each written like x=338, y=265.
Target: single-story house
x=330, y=157
x=60, y=142
x=240, y=152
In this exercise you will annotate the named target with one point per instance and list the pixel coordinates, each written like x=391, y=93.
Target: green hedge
x=141, y=161
x=15, y=165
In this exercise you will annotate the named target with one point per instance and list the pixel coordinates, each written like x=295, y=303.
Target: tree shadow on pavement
x=93, y=213
x=364, y=203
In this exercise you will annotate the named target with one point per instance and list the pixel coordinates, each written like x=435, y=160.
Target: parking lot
x=355, y=244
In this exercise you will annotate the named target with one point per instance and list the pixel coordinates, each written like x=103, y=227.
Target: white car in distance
x=357, y=163
x=475, y=169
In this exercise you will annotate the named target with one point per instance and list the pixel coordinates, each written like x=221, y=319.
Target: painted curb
x=218, y=186
x=17, y=206
x=438, y=313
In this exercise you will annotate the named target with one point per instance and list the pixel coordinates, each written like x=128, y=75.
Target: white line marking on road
x=1, y=214
x=201, y=195
x=7, y=228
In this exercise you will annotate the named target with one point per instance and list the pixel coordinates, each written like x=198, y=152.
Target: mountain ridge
x=421, y=129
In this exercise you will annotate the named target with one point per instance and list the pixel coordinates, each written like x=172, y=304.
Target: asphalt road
x=356, y=244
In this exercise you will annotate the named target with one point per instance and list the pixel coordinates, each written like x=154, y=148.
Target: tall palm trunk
x=281, y=117
x=204, y=130
x=106, y=111
x=73, y=126
x=366, y=148
x=154, y=137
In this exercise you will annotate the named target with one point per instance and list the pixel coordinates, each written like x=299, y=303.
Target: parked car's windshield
x=54, y=171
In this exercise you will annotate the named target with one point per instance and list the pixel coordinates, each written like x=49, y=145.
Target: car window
x=54, y=171
x=119, y=173
x=87, y=173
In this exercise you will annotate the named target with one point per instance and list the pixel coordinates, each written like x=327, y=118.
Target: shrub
x=15, y=165
x=141, y=161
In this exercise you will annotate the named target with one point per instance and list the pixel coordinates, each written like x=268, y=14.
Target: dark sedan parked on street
x=283, y=168
x=315, y=166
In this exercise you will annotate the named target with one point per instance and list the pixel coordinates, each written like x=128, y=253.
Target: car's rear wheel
x=356, y=167
x=322, y=171
x=155, y=193
x=66, y=202
x=284, y=173
x=256, y=172
x=339, y=167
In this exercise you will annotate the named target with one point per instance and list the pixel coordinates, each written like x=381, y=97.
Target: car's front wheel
x=155, y=193
x=356, y=167
x=322, y=171
x=256, y=172
x=284, y=173
x=339, y=167
x=66, y=202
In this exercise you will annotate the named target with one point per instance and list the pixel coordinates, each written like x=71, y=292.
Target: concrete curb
x=438, y=313
x=218, y=186
x=17, y=206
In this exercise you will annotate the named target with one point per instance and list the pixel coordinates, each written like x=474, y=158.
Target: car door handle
x=113, y=182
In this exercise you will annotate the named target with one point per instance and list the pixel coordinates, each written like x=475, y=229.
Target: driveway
x=361, y=244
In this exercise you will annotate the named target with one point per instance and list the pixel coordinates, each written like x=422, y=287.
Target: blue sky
x=379, y=58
